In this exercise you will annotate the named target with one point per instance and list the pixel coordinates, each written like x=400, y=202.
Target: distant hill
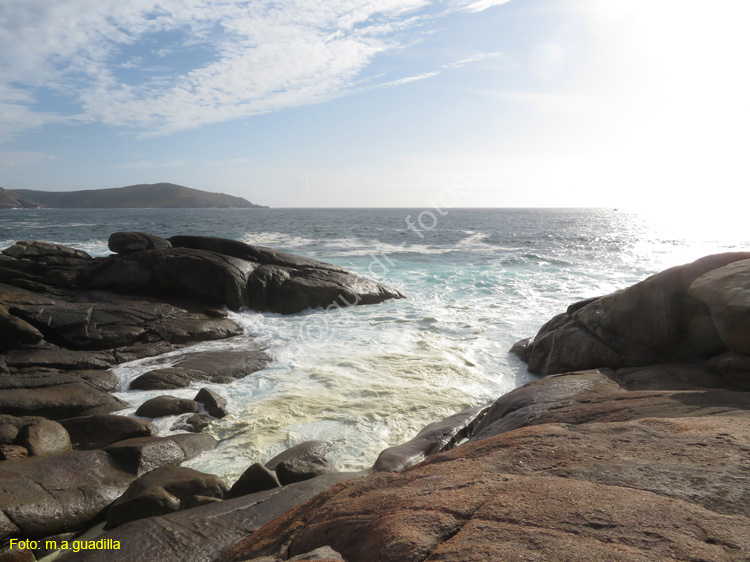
x=143, y=196
x=12, y=200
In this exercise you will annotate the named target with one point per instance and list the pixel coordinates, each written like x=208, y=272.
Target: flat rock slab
x=203, y=532
x=58, y=402
x=42, y=496
x=647, y=490
x=600, y=395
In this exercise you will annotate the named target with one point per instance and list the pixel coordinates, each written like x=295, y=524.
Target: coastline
x=590, y=399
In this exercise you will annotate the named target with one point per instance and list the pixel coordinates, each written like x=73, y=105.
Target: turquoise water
x=368, y=377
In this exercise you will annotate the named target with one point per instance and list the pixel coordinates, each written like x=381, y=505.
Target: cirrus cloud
x=220, y=59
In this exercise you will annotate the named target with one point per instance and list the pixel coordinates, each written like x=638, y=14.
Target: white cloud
x=264, y=55
x=481, y=5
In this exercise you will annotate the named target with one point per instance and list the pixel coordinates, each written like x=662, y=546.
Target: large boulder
x=162, y=379
x=257, y=478
x=667, y=317
x=46, y=495
x=140, y=455
x=161, y=491
x=43, y=437
x=129, y=242
x=177, y=273
x=166, y=406
x=726, y=292
x=95, y=432
x=213, y=402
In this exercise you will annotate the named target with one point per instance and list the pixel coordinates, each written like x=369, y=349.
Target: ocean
x=369, y=377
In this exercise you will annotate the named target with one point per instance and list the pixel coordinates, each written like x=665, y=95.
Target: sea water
x=368, y=377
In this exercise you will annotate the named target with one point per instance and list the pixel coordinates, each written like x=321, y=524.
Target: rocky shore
x=635, y=444
x=67, y=462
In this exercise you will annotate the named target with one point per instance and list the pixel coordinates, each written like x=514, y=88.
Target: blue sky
x=382, y=102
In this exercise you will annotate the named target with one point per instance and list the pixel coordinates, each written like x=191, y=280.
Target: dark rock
x=224, y=366
x=95, y=432
x=46, y=495
x=435, y=438
x=214, y=404
x=194, y=423
x=177, y=273
x=161, y=379
x=734, y=368
x=204, y=531
x=9, y=452
x=129, y=242
x=57, y=401
x=104, y=380
x=667, y=317
x=298, y=470
x=248, y=252
x=257, y=478
x=301, y=462
x=305, y=450
x=16, y=332
x=166, y=406
x=287, y=291
x=8, y=433
x=45, y=252
x=140, y=455
x=161, y=491
x=726, y=292
x=43, y=437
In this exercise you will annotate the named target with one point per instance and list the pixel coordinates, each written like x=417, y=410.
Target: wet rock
x=222, y=367
x=257, y=478
x=71, y=397
x=435, y=438
x=10, y=452
x=194, y=423
x=161, y=491
x=45, y=252
x=204, y=531
x=166, y=406
x=306, y=450
x=95, y=432
x=301, y=462
x=140, y=455
x=58, y=493
x=162, y=379
x=129, y=242
x=214, y=404
x=43, y=437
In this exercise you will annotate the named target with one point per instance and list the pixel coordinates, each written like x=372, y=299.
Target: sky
x=382, y=103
